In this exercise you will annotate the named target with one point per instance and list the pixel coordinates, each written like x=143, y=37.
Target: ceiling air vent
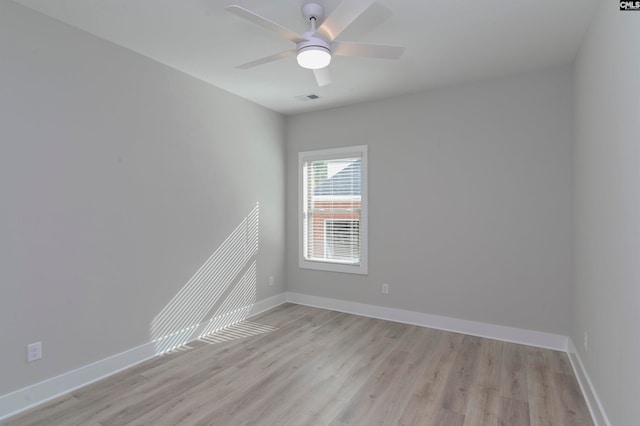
x=305, y=98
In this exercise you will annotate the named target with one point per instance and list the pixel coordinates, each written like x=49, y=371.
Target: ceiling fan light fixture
x=314, y=57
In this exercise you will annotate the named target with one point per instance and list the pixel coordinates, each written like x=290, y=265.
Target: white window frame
x=334, y=154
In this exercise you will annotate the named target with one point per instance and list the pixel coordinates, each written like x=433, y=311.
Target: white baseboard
x=30, y=396
x=598, y=414
x=498, y=332
x=39, y=393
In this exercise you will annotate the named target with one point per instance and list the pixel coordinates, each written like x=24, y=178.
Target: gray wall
x=470, y=200
x=119, y=178
x=606, y=291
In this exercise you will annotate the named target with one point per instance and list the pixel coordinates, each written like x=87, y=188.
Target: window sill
x=347, y=268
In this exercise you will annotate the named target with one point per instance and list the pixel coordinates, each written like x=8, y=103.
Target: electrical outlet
x=586, y=341
x=385, y=288
x=34, y=351
x=271, y=280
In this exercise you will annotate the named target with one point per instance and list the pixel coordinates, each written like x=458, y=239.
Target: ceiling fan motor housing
x=313, y=42
x=313, y=12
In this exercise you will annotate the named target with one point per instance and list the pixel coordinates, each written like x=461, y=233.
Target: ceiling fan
x=315, y=47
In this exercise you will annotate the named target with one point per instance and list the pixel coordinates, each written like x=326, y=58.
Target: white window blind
x=342, y=239
x=332, y=209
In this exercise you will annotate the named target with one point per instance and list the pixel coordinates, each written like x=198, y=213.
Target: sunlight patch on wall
x=237, y=305
x=219, y=294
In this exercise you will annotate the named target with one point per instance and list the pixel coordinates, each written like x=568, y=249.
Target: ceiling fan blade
x=323, y=76
x=265, y=23
x=348, y=48
x=267, y=59
x=342, y=17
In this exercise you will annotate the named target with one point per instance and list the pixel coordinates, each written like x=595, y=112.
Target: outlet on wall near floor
x=271, y=280
x=385, y=288
x=34, y=351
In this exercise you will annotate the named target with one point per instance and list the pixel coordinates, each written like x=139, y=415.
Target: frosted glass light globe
x=313, y=57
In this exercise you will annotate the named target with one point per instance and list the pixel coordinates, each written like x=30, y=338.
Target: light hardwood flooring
x=296, y=365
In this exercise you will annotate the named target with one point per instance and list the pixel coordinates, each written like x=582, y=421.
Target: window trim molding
x=333, y=154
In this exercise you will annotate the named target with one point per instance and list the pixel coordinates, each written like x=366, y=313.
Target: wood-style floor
x=296, y=365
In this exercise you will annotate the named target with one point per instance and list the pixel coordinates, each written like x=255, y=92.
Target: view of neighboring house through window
x=333, y=203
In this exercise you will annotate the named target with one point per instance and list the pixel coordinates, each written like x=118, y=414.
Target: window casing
x=332, y=209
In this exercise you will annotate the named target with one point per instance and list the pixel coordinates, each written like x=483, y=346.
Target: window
x=333, y=209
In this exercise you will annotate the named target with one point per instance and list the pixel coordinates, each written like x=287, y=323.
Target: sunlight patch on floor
x=237, y=331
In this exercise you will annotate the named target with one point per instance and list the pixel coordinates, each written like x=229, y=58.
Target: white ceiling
x=447, y=42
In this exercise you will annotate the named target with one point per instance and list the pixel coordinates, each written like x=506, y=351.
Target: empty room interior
x=439, y=227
